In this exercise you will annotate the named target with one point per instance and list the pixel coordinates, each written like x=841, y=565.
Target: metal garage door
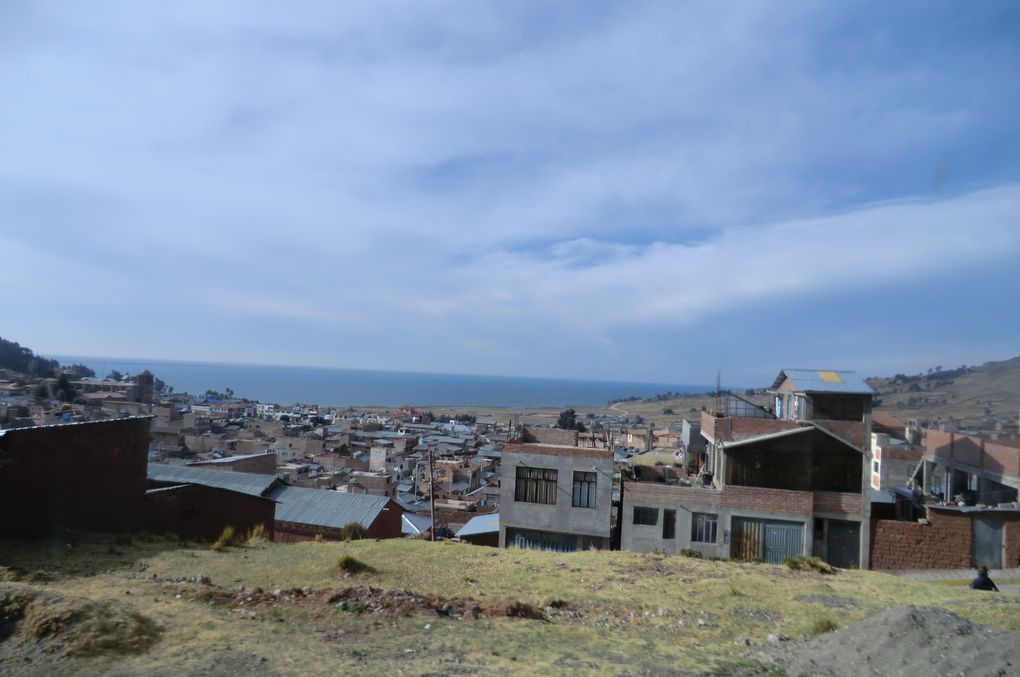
x=844, y=546
x=772, y=541
x=987, y=542
x=782, y=541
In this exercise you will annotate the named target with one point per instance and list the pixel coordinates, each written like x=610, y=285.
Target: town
x=809, y=469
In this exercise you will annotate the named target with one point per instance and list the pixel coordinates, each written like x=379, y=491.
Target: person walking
x=982, y=582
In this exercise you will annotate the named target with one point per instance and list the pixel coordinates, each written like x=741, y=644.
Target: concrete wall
x=561, y=517
x=731, y=502
x=89, y=476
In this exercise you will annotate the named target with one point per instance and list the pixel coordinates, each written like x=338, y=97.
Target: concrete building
x=555, y=497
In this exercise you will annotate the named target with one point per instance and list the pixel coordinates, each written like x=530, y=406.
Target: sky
x=647, y=191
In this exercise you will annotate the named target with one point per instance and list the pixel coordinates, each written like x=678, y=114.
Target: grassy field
x=104, y=605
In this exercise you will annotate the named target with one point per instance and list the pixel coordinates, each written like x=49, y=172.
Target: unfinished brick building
x=775, y=484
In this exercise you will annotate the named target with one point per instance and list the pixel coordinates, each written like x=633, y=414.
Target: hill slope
x=107, y=606
x=992, y=389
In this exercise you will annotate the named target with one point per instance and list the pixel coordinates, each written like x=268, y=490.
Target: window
x=874, y=467
x=584, y=490
x=703, y=527
x=668, y=524
x=649, y=516
x=535, y=485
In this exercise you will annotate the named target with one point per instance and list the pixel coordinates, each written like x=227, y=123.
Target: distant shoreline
x=339, y=387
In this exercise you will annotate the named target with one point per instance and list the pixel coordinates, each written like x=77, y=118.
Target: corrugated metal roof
x=823, y=381
x=480, y=524
x=243, y=482
x=415, y=524
x=326, y=508
x=232, y=459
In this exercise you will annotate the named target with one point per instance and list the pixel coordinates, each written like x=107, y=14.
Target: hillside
x=992, y=389
x=109, y=605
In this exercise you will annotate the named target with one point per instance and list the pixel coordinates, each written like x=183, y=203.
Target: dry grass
x=608, y=612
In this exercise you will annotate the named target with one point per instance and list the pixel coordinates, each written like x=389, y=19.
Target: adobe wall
x=945, y=543
x=89, y=476
x=201, y=513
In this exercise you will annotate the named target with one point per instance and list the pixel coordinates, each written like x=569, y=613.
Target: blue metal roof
x=415, y=524
x=243, y=482
x=824, y=381
x=480, y=524
x=326, y=508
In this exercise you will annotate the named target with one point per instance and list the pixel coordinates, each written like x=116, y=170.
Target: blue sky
x=636, y=191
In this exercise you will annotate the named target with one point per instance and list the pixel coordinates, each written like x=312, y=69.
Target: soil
x=903, y=641
x=365, y=599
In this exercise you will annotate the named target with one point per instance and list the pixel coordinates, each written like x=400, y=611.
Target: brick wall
x=834, y=501
x=945, y=543
x=742, y=427
x=654, y=492
x=771, y=500
x=999, y=456
x=1002, y=458
x=567, y=438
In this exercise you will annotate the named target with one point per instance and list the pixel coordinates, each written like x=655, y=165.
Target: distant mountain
x=992, y=389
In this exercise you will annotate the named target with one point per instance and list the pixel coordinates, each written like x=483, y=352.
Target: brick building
x=772, y=484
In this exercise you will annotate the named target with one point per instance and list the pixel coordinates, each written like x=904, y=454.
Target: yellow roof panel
x=829, y=376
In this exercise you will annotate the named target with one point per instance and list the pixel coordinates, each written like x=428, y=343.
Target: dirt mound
x=71, y=626
x=903, y=641
x=365, y=599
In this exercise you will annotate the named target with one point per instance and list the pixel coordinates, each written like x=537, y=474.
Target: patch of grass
x=624, y=613
x=225, y=540
x=352, y=606
x=823, y=625
x=353, y=566
x=688, y=552
x=258, y=534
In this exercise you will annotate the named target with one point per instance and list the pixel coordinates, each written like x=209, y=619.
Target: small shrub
x=225, y=540
x=353, y=566
x=713, y=558
x=353, y=607
x=823, y=625
x=688, y=552
x=257, y=534
x=353, y=531
x=802, y=563
x=122, y=539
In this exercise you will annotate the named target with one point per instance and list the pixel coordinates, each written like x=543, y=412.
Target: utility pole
x=432, y=490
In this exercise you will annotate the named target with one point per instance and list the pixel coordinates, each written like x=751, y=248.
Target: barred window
x=535, y=485
x=584, y=490
x=704, y=527
x=648, y=516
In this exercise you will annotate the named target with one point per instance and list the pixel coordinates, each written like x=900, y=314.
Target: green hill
x=107, y=605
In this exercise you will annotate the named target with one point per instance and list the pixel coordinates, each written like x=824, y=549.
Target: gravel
x=902, y=641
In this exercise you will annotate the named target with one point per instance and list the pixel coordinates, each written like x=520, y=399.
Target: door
x=746, y=539
x=986, y=547
x=843, y=547
x=782, y=541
